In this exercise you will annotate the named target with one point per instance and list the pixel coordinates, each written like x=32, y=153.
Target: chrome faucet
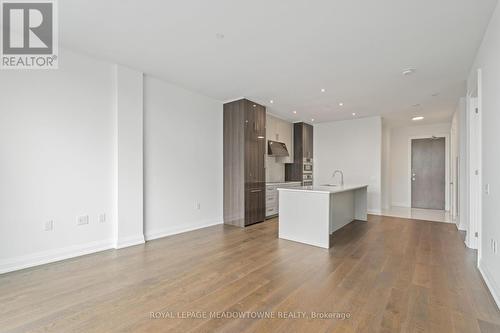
x=341, y=176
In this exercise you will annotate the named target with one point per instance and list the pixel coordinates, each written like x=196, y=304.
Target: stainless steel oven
x=307, y=179
x=307, y=172
x=307, y=165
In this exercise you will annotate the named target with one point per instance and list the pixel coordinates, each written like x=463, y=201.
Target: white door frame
x=446, y=137
x=474, y=167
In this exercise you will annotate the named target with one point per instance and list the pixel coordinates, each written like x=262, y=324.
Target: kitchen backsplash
x=275, y=172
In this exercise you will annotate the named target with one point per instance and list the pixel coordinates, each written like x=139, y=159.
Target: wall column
x=129, y=228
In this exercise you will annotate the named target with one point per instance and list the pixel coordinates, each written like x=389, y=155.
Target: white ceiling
x=288, y=50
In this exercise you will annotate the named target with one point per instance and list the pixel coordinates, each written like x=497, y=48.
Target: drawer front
x=270, y=188
x=271, y=211
x=272, y=194
x=271, y=199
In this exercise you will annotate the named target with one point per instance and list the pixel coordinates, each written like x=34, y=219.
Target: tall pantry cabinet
x=244, y=153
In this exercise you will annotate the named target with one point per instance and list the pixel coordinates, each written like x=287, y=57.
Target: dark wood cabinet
x=244, y=152
x=308, y=140
x=303, y=149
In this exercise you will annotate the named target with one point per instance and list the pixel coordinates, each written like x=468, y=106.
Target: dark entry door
x=428, y=173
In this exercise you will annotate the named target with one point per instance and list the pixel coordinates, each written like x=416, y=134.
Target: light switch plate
x=101, y=218
x=82, y=220
x=49, y=225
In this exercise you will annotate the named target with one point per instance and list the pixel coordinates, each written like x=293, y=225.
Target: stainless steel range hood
x=276, y=149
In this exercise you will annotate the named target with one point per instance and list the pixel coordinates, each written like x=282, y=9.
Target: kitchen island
x=310, y=214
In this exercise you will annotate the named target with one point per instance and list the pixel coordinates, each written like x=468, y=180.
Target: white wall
x=400, y=161
x=386, y=167
x=71, y=144
x=355, y=147
x=56, y=160
x=458, y=173
x=488, y=60
x=129, y=165
x=182, y=159
x=463, y=209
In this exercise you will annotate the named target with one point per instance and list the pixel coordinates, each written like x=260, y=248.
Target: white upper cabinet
x=281, y=131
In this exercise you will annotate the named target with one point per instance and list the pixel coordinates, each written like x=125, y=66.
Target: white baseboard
x=129, y=241
x=400, y=204
x=490, y=282
x=160, y=233
x=461, y=227
x=45, y=257
x=374, y=211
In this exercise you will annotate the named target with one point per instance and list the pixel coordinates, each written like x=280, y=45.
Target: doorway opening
x=428, y=173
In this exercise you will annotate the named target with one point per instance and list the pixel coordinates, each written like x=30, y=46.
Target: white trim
x=160, y=233
x=480, y=164
x=45, y=257
x=446, y=166
x=490, y=282
x=374, y=211
x=474, y=156
x=129, y=241
x=400, y=204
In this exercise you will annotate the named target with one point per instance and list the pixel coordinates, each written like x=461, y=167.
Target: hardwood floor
x=388, y=275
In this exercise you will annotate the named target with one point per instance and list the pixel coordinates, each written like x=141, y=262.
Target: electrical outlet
x=487, y=189
x=49, y=225
x=82, y=220
x=101, y=218
x=493, y=245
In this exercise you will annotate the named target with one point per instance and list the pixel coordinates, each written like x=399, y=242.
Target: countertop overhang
x=284, y=183
x=323, y=189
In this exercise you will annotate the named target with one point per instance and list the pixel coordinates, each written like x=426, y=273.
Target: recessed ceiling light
x=219, y=35
x=354, y=113
x=294, y=112
x=312, y=119
x=341, y=104
x=408, y=71
x=323, y=89
x=271, y=101
x=417, y=118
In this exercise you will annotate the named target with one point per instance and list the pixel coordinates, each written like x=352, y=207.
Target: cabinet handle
x=255, y=191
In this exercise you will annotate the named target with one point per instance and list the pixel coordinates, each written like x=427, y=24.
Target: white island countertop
x=324, y=188
x=310, y=214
